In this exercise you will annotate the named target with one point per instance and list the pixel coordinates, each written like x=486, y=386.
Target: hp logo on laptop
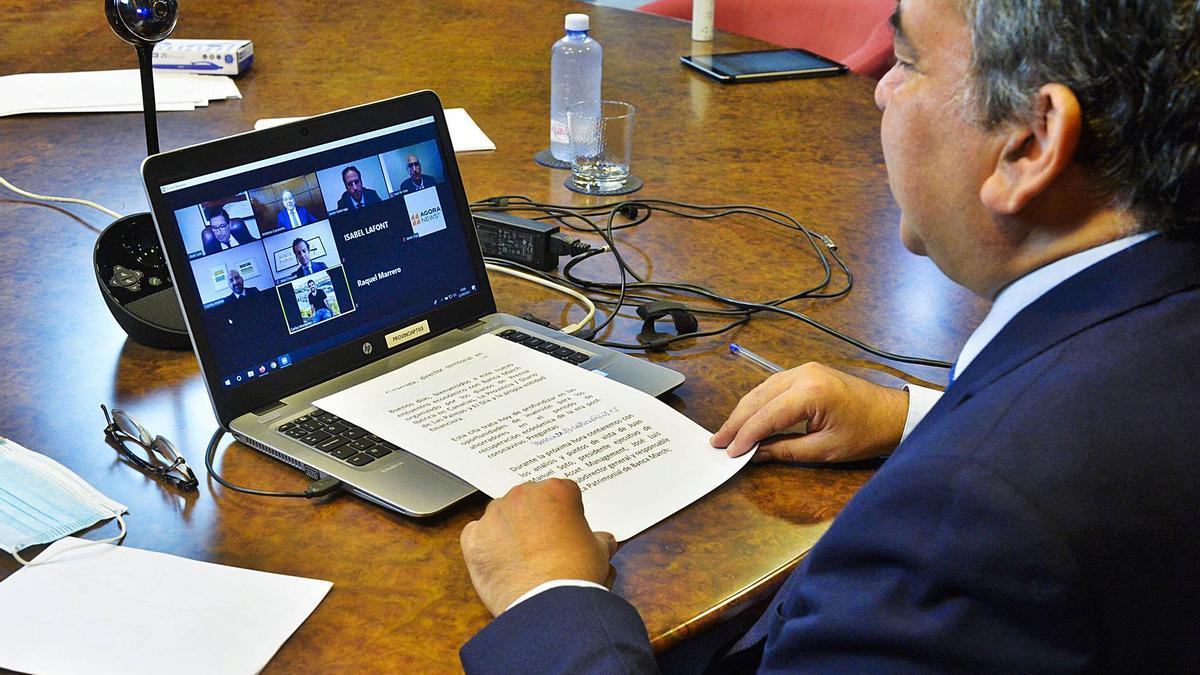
x=367, y=348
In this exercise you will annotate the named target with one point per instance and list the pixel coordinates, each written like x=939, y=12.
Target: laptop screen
x=297, y=254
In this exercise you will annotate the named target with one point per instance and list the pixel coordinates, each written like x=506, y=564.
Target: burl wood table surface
x=401, y=599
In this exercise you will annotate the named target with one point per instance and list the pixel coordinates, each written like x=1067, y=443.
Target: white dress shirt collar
x=1022, y=292
x=1016, y=297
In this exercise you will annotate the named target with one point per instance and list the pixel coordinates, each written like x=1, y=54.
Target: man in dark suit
x=238, y=287
x=416, y=181
x=306, y=266
x=292, y=215
x=355, y=196
x=223, y=232
x=1041, y=514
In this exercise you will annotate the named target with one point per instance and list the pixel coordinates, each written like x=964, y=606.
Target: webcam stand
x=129, y=262
x=145, y=53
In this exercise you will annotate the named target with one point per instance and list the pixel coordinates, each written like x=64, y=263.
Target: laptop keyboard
x=553, y=349
x=356, y=446
x=337, y=438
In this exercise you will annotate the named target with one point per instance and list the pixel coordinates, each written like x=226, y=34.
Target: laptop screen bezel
x=199, y=160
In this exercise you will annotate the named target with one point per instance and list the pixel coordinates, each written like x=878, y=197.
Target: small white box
x=212, y=57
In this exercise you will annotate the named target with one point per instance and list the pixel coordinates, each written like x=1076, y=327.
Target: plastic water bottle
x=574, y=77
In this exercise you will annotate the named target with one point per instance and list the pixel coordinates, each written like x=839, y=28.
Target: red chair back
x=853, y=32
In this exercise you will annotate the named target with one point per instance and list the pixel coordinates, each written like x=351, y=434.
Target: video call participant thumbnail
x=223, y=232
x=238, y=287
x=292, y=214
x=307, y=302
x=317, y=303
x=355, y=196
x=306, y=266
x=416, y=180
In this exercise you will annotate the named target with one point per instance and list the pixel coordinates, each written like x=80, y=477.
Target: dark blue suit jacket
x=369, y=197
x=1043, y=517
x=282, y=219
x=299, y=272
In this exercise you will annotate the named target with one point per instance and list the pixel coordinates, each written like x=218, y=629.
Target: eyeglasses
x=121, y=428
x=412, y=164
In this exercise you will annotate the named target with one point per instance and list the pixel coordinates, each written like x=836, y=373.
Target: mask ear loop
x=110, y=540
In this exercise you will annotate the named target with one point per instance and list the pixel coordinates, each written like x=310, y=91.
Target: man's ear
x=1035, y=153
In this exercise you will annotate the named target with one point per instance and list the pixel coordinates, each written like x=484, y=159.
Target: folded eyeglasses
x=160, y=457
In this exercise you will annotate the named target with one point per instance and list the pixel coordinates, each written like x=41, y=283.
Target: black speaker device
x=129, y=262
x=136, y=285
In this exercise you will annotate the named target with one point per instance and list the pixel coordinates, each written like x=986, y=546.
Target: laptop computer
x=316, y=255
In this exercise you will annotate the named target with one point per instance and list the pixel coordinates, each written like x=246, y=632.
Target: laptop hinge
x=274, y=405
x=472, y=325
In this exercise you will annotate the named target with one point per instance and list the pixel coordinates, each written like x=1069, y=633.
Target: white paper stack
x=109, y=91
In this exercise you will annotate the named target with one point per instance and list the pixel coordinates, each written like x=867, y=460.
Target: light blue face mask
x=42, y=501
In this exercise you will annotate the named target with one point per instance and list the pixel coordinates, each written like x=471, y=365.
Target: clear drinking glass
x=601, y=144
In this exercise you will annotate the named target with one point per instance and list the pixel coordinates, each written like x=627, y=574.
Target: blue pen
x=742, y=351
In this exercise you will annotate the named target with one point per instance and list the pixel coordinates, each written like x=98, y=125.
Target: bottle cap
x=577, y=22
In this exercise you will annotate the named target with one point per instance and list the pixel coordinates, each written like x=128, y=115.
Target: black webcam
x=142, y=21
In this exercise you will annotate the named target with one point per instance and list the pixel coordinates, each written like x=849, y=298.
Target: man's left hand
x=534, y=534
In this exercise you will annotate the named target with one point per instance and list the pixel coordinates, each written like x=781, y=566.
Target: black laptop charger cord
x=643, y=291
x=318, y=488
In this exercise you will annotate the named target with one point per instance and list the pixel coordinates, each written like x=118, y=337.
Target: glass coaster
x=546, y=159
x=632, y=184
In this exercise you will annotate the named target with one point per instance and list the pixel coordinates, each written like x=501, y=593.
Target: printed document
x=497, y=414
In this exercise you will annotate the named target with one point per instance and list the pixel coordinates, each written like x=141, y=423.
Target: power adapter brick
x=528, y=242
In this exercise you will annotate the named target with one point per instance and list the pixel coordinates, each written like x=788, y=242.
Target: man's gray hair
x=1134, y=65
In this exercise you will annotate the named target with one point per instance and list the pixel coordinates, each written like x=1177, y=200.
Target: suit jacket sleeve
x=936, y=565
x=563, y=630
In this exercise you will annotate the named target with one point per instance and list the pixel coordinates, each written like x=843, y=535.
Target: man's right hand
x=534, y=534
x=848, y=418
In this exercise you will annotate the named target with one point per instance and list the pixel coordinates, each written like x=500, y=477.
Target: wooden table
x=401, y=598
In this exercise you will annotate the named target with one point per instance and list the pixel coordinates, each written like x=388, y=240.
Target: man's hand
x=533, y=534
x=848, y=418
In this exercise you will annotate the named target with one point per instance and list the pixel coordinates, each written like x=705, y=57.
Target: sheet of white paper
x=97, y=608
x=268, y=122
x=497, y=414
x=108, y=91
x=181, y=106
x=465, y=134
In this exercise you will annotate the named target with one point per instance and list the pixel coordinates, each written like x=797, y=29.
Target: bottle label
x=558, y=132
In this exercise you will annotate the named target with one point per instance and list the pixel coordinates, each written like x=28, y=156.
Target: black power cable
x=318, y=488
x=639, y=211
